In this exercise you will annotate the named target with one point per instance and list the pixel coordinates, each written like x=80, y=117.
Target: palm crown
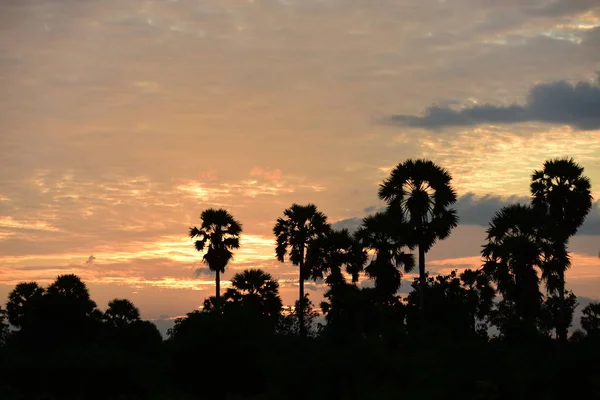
x=421, y=192
x=563, y=192
x=220, y=234
x=256, y=289
x=387, y=240
x=329, y=253
x=299, y=227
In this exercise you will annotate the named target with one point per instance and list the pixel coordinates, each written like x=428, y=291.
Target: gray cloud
x=352, y=224
x=592, y=37
x=591, y=226
x=479, y=210
x=560, y=102
x=203, y=270
x=561, y=8
x=475, y=210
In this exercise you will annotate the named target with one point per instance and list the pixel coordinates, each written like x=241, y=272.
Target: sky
x=120, y=121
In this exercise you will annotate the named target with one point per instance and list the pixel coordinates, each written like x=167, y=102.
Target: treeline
x=491, y=333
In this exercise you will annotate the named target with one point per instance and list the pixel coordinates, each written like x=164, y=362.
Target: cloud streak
x=560, y=102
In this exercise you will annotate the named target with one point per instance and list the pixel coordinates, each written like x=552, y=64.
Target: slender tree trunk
x=301, y=299
x=218, y=284
x=561, y=328
x=422, y=282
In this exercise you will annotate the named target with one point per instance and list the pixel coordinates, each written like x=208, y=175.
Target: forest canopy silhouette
x=500, y=331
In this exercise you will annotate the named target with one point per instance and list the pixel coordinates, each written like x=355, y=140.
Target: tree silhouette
x=302, y=312
x=458, y=306
x=449, y=312
x=514, y=249
x=3, y=326
x=420, y=192
x=329, y=253
x=555, y=311
x=21, y=302
x=121, y=312
x=562, y=192
x=590, y=319
x=479, y=297
x=69, y=291
x=295, y=233
x=255, y=290
x=387, y=240
x=220, y=232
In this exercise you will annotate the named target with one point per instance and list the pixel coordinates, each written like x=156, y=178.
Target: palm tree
x=420, y=193
x=513, y=253
x=329, y=253
x=21, y=302
x=296, y=231
x=220, y=232
x=122, y=312
x=386, y=239
x=562, y=192
x=256, y=289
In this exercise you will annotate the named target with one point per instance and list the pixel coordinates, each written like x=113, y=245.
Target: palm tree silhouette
x=122, y=312
x=562, y=192
x=257, y=290
x=515, y=248
x=329, y=253
x=221, y=233
x=387, y=239
x=21, y=301
x=296, y=231
x=420, y=192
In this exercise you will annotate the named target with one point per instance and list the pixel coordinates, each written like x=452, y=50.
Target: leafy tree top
x=220, y=233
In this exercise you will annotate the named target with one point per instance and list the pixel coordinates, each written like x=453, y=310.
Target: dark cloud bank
x=474, y=210
x=576, y=105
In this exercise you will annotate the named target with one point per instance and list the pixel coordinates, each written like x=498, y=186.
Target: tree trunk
x=561, y=328
x=218, y=284
x=422, y=282
x=301, y=297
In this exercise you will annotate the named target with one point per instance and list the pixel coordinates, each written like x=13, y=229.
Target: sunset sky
x=120, y=121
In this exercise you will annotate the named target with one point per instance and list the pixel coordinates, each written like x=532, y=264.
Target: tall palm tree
x=419, y=192
x=513, y=254
x=387, y=240
x=220, y=233
x=256, y=289
x=295, y=232
x=562, y=192
x=327, y=256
